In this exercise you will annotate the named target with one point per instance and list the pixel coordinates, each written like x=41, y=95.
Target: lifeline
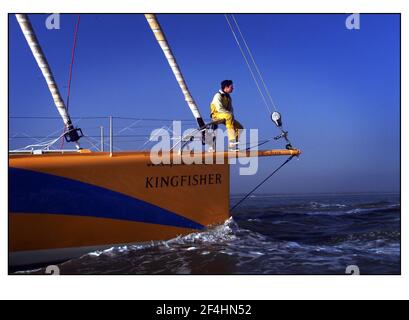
x=183, y=181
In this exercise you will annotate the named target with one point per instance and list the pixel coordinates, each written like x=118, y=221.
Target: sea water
x=271, y=234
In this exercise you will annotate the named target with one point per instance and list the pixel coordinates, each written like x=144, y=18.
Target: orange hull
x=86, y=200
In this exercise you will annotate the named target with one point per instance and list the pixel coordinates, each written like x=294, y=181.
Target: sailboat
x=63, y=204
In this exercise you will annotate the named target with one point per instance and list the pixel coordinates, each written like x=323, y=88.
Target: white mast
x=160, y=37
x=39, y=56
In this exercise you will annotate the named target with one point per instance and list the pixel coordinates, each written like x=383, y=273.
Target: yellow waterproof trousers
x=233, y=126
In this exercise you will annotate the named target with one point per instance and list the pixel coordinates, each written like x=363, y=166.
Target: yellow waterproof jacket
x=221, y=103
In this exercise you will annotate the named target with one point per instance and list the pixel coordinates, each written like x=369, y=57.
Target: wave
x=302, y=236
x=314, y=204
x=314, y=208
x=388, y=209
x=218, y=234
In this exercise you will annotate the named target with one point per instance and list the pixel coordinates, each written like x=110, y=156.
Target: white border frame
x=199, y=287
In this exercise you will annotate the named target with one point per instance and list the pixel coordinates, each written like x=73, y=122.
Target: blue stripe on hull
x=34, y=192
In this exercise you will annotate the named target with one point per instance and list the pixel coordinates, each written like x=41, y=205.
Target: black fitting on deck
x=73, y=134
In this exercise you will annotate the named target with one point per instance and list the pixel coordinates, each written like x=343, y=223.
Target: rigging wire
x=105, y=143
x=102, y=117
x=91, y=143
x=72, y=59
x=129, y=127
x=71, y=67
x=259, y=144
x=254, y=63
x=261, y=183
x=248, y=64
x=260, y=76
x=255, y=66
x=45, y=145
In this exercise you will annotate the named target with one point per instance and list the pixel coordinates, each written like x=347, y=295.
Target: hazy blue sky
x=337, y=89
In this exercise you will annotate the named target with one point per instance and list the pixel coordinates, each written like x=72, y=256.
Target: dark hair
x=226, y=83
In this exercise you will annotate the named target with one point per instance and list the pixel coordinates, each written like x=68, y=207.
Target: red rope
x=71, y=66
x=72, y=59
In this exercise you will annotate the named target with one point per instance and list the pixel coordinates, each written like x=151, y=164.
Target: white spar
x=160, y=37
x=39, y=56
